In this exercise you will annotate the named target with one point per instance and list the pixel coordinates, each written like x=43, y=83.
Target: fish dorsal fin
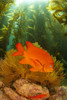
x=33, y=49
x=30, y=46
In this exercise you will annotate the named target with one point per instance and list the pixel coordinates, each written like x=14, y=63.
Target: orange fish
x=39, y=59
x=40, y=96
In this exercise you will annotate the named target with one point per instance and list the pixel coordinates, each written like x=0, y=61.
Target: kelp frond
x=59, y=9
x=4, y=5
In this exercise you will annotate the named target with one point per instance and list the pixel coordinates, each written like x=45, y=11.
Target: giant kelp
x=4, y=5
x=33, y=23
x=4, y=36
x=23, y=24
x=41, y=27
x=59, y=10
x=10, y=70
x=16, y=27
x=19, y=26
x=37, y=17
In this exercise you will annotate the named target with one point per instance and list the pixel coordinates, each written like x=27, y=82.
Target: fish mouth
x=50, y=70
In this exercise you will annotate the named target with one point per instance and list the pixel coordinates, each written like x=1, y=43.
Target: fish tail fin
x=20, y=50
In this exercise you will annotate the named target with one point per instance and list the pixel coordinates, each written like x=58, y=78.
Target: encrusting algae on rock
x=30, y=90
x=23, y=89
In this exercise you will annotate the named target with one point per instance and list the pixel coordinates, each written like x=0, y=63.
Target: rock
x=22, y=89
x=1, y=84
x=3, y=96
x=61, y=93
x=13, y=95
x=27, y=89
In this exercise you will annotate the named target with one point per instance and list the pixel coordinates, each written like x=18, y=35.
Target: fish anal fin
x=17, y=53
x=33, y=69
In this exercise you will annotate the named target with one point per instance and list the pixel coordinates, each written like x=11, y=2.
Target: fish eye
x=50, y=65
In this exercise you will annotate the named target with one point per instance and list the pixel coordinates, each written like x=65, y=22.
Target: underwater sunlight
x=18, y=2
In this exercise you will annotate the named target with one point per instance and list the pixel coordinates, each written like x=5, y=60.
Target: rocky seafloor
x=22, y=89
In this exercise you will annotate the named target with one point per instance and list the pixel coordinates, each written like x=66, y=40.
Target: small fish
x=40, y=96
x=39, y=59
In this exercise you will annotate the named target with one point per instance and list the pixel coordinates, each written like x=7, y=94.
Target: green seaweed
x=59, y=8
x=4, y=36
x=4, y=5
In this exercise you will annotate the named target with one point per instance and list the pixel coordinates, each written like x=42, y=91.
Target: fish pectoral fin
x=27, y=61
x=30, y=62
x=35, y=65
